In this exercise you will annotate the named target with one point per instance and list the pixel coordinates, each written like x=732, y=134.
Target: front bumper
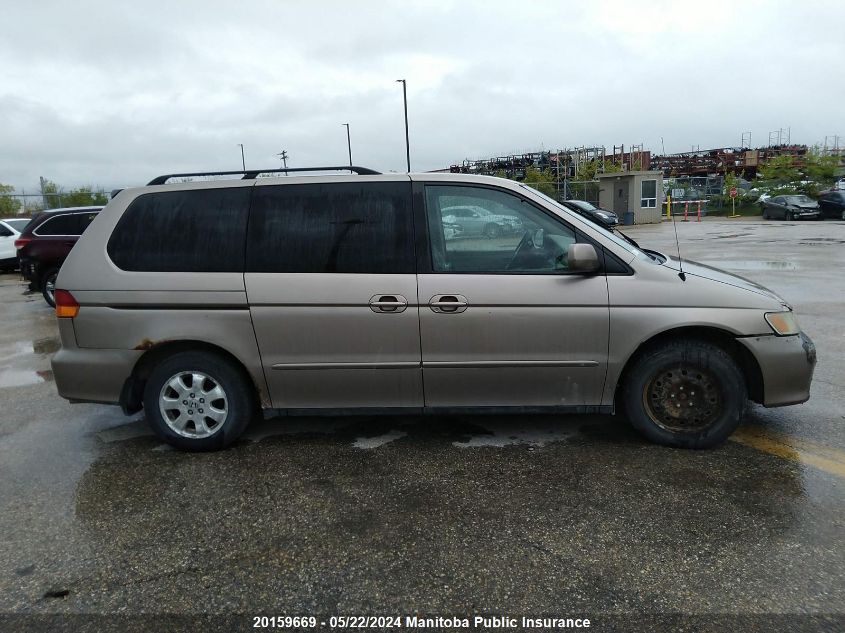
x=787, y=364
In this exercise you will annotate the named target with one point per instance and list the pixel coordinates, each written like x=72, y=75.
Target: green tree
x=84, y=197
x=587, y=170
x=785, y=174
x=9, y=205
x=779, y=170
x=543, y=181
x=820, y=168
x=79, y=197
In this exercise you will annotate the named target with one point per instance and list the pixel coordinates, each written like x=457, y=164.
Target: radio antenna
x=678, y=246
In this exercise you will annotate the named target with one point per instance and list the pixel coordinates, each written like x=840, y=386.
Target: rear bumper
x=91, y=375
x=787, y=364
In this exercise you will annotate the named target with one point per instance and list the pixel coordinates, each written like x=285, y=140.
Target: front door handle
x=448, y=304
x=388, y=303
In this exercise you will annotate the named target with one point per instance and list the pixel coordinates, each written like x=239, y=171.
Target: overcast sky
x=114, y=93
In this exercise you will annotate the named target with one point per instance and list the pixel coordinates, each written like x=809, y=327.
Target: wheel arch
x=132, y=394
x=726, y=340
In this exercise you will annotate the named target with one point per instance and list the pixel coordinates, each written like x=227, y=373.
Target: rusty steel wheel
x=683, y=398
x=686, y=393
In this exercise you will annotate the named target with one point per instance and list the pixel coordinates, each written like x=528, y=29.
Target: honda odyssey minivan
x=203, y=302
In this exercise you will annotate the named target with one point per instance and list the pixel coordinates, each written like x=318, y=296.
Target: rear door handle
x=388, y=303
x=448, y=304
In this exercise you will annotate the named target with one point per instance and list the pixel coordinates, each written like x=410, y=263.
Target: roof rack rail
x=251, y=174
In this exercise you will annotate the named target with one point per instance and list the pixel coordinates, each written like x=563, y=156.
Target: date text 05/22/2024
x=421, y=622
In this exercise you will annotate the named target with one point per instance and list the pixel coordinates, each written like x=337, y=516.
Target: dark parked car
x=832, y=204
x=794, y=207
x=46, y=241
x=600, y=216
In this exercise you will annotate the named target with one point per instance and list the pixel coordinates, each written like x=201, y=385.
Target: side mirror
x=537, y=239
x=582, y=258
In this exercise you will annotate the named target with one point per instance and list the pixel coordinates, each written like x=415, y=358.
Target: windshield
x=17, y=224
x=798, y=200
x=608, y=233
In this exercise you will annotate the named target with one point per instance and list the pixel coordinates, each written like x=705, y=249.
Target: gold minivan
x=203, y=302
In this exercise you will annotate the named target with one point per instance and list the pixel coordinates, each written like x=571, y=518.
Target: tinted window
x=509, y=235
x=201, y=230
x=18, y=224
x=64, y=224
x=331, y=228
x=84, y=219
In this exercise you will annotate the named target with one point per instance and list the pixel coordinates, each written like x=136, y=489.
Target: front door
x=620, y=196
x=502, y=321
x=332, y=290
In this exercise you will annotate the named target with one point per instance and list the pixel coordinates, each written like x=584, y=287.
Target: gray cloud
x=112, y=94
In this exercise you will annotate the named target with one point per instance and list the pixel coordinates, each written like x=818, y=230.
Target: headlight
x=603, y=216
x=783, y=323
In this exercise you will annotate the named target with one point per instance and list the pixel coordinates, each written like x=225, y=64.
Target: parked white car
x=10, y=229
x=474, y=220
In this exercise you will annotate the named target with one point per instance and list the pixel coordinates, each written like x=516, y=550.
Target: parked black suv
x=46, y=241
x=832, y=204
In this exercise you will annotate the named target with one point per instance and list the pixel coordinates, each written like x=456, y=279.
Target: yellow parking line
x=824, y=458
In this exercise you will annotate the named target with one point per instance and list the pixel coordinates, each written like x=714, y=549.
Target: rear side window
x=201, y=230
x=65, y=224
x=83, y=220
x=331, y=228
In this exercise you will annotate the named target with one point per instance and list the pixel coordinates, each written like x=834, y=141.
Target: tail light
x=66, y=305
x=22, y=241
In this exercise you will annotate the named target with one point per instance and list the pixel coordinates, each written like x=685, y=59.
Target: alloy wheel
x=193, y=404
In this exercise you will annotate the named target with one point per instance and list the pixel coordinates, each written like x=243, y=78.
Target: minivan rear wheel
x=48, y=286
x=198, y=401
x=687, y=394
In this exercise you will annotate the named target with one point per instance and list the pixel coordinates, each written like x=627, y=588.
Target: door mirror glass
x=582, y=258
x=537, y=239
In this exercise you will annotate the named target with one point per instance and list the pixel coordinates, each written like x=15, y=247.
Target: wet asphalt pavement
x=444, y=515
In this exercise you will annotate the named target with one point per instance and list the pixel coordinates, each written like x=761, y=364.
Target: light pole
x=407, y=142
x=243, y=160
x=348, y=143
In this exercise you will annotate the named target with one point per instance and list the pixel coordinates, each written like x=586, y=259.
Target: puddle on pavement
x=501, y=433
x=46, y=345
x=379, y=440
x=10, y=377
x=751, y=264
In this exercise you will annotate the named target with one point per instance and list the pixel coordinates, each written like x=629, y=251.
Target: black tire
x=48, y=286
x=790, y=216
x=240, y=402
x=765, y=213
x=492, y=230
x=665, y=378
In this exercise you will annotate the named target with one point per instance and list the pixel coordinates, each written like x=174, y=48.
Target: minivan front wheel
x=198, y=401
x=688, y=394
